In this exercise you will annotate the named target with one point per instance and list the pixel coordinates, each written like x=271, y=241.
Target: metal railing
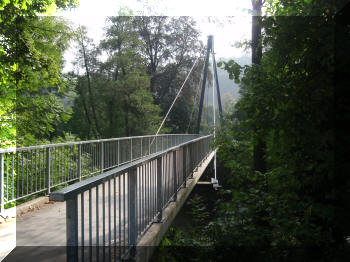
x=30, y=170
x=107, y=214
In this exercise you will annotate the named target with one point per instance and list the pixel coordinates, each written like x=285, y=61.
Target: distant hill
x=228, y=88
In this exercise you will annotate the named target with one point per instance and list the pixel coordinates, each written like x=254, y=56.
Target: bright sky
x=92, y=14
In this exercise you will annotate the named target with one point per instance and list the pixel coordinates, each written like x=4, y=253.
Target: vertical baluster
x=159, y=190
x=36, y=178
x=7, y=176
x=141, y=153
x=115, y=214
x=27, y=163
x=132, y=209
x=2, y=204
x=72, y=228
x=103, y=222
x=130, y=149
x=48, y=167
x=175, y=175
x=120, y=214
x=102, y=158
x=12, y=173
x=118, y=152
x=97, y=225
x=79, y=162
x=82, y=244
x=109, y=219
x=124, y=212
x=184, y=169
x=90, y=225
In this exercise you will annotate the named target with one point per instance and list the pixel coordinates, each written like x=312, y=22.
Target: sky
x=227, y=20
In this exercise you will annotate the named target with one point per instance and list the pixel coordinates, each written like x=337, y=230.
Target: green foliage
x=288, y=98
x=31, y=50
x=170, y=46
x=297, y=206
x=233, y=68
x=148, y=60
x=113, y=97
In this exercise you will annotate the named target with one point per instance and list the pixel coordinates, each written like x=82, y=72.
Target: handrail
x=72, y=190
x=31, y=170
x=19, y=149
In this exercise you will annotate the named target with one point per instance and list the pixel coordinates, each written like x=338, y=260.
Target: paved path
x=47, y=225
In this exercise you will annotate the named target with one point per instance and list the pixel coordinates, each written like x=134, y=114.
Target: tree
x=129, y=77
x=87, y=57
x=259, y=146
x=26, y=56
x=298, y=202
x=32, y=91
x=118, y=88
x=169, y=47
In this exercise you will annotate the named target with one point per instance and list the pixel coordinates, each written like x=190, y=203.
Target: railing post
x=141, y=153
x=118, y=149
x=2, y=183
x=130, y=149
x=156, y=144
x=149, y=145
x=72, y=228
x=159, y=190
x=175, y=175
x=79, y=162
x=48, y=168
x=132, y=183
x=184, y=168
x=102, y=158
x=191, y=159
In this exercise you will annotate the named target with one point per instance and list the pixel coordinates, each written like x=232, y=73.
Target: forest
x=282, y=153
x=125, y=95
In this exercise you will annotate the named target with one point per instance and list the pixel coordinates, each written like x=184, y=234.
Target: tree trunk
x=260, y=146
x=127, y=128
x=82, y=96
x=90, y=91
x=111, y=117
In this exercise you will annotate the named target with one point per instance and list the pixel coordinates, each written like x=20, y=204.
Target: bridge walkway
x=106, y=222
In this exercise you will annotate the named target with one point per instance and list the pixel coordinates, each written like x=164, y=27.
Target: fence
x=30, y=170
x=108, y=213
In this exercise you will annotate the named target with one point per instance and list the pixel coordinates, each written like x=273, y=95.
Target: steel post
x=79, y=162
x=174, y=175
x=184, y=168
x=102, y=158
x=159, y=190
x=72, y=228
x=130, y=149
x=132, y=184
x=191, y=160
x=2, y=208
x=48, y=169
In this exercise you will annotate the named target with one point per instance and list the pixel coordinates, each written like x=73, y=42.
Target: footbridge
x=110, y=199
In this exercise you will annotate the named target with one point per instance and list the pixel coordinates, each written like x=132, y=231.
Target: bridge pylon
x=210, y=50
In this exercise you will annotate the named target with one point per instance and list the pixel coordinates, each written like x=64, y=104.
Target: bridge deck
x=116, y=209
